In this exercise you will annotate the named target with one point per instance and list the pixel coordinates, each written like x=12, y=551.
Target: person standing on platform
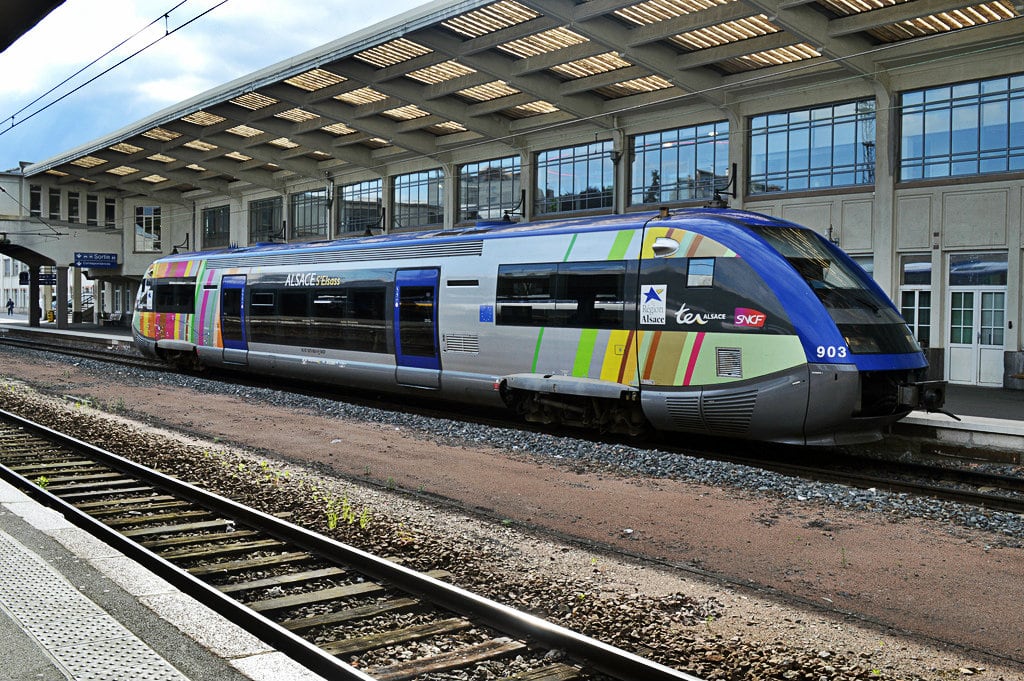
x=10, y=306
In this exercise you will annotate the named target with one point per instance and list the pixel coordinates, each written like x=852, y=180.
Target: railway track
x=952, y=483
x=121, y=352
x=995, y=491
x=318, y=600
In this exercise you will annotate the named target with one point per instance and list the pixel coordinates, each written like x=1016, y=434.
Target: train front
x=865, y=368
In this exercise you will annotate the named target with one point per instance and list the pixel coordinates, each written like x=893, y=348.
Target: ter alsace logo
x=744, y=316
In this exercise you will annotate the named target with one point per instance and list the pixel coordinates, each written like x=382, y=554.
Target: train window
x=262, y=303
x=526, y=294
x=349, y=318
x=572, y=295
x=174, y=295
x=700, y=272
x=594, y=292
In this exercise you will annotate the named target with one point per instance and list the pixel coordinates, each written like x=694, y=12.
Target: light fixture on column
x=183, y=244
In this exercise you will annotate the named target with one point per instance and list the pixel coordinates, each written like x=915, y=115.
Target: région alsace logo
x=652, y=303
x=748, y=317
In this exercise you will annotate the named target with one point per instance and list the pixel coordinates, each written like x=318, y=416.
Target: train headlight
x=861, y=344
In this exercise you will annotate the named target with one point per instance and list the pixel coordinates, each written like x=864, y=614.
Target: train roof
x=494, y=230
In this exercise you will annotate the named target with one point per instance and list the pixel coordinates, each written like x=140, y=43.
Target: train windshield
x=869, y=323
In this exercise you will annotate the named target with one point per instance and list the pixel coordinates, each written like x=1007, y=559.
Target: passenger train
x=711, y=321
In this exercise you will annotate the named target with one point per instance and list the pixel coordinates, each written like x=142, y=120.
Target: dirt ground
x=940, y=583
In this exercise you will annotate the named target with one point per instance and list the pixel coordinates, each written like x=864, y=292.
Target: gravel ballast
x=704, y=626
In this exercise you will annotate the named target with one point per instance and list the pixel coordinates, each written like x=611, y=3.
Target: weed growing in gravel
x=42, y=481
x=344, y=512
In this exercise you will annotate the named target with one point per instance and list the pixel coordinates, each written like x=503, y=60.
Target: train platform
x=73, y=608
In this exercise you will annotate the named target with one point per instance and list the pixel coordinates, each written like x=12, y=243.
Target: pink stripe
x=693, y=358
x=201, y=322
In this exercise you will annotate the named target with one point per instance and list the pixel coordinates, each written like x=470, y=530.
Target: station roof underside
x=452, y=74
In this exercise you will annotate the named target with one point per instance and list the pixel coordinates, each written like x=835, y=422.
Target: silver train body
x=707, y=321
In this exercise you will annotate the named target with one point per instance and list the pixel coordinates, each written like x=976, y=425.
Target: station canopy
x=449, y=75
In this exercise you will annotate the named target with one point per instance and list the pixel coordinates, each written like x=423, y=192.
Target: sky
x=233, y=38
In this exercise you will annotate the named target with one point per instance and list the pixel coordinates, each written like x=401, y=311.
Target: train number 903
x=831, y=351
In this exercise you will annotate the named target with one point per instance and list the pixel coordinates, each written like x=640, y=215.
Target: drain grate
x=86, y=642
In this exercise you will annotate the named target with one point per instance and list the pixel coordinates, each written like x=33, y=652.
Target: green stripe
x=584, y=352
x=536, y=350
x=572, y=243
x=621, y=245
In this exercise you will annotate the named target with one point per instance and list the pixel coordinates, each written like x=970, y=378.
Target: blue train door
x=417, y=360
x=232, y=319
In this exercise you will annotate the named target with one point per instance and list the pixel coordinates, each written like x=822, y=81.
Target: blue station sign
x=96, y=260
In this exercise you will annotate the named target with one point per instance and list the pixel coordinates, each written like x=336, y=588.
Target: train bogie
x=717, y=322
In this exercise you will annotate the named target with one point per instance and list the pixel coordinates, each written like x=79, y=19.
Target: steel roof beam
x=501, y=67
x=894, y=14
x=812, y=27
x=656, y=58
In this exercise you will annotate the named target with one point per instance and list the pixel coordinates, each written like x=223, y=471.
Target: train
x=704, y=321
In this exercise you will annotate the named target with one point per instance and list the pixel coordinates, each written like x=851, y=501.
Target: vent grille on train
x=719, y=414
x=412, y=251
x=462, y=342
x=729, y=413
x=729, y=362
x=685, y=412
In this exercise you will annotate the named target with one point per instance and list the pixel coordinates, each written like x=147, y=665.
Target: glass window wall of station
x=489, y=190
x=574, y=179
x=969, y=128
x=818, y=148
x=361, y=206
x=684, y=164
x=419, y=200
x=309, y=214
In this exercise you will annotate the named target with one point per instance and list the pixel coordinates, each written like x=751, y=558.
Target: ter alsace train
x=710, y=321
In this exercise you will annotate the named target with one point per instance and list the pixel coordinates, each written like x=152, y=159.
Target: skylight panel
x=254, y=101
x=392, y=52
x=200, y=145
x=125, y=148
x=203, y=118
x=245, y=131
x=491, y=18
x=338, y=129
x=161, y=134
x=364, y=95
x=726, y=32
x=581, y=68
x=297, y=115
x=489, y=91
x=439, y=73
x=656, y=11
x=315, y=79
x=88, y=162
x=405, y=113
x=544, y=42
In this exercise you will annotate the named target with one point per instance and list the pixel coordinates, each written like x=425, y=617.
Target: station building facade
x=917, y=173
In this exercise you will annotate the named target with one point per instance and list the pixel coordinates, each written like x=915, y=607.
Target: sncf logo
x=747, y=317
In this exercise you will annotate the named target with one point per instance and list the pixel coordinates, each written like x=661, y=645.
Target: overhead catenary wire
x=167, y=33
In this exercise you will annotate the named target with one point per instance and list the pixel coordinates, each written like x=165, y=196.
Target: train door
x=417, y=360
x=232, y=319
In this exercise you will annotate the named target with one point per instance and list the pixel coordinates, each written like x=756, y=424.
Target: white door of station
x=977, y=317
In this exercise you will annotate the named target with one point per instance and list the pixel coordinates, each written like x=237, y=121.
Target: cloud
x=232, y=39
